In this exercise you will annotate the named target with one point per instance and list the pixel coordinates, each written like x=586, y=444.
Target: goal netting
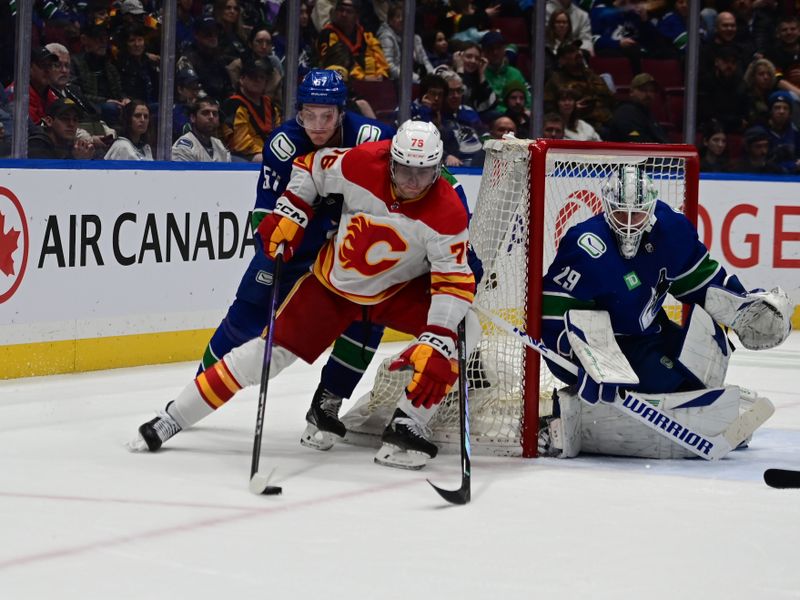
x=531, y=192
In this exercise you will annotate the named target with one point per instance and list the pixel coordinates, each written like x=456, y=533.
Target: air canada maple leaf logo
x=13, y=243
x=9, y=241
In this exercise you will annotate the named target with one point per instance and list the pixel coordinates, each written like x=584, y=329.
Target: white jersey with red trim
x=384, y=241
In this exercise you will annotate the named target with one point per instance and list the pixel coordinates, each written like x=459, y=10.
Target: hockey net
x=531, y=192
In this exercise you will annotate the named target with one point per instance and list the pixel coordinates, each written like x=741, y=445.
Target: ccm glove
x=590, y=391
x=435, y=369
x=285, y=225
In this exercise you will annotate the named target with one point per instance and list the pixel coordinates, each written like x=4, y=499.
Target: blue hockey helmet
x=322, y=86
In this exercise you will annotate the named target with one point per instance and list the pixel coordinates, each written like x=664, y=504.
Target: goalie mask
x=629, y=200
x=416, y=158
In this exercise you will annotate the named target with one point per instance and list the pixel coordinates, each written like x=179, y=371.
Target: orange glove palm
x=285, y=225
x=435, y=368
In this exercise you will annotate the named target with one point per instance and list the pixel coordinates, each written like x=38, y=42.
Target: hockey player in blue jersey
x=606, y=287
x=321, y=122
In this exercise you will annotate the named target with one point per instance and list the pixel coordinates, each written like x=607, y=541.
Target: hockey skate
x=324, y=426
x=154, y=433
x=405, y=444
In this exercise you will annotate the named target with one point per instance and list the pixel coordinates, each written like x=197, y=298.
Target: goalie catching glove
x=762, y=320
x=432, y=357
x=284, y=225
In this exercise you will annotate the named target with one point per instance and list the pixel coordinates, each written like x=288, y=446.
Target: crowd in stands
x=614, y=72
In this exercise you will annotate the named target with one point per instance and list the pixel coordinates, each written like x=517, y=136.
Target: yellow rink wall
x=123, y=264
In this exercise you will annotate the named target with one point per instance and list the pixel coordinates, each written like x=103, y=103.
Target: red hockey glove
x=435, y=368
x=285, y=225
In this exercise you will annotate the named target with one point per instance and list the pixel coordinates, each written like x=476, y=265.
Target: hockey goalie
x=602, y=309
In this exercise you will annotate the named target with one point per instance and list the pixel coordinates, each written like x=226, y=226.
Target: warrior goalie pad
x=760, y=319
x=717, y=420
x=592, y=340
x=706, y=350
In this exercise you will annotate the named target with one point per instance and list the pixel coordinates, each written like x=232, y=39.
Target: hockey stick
x=463, y=494
x=782, y=478
x=259, y=483
x=709, y=447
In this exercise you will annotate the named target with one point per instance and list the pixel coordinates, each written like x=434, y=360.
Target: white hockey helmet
x=629, y=200
x=416, y=154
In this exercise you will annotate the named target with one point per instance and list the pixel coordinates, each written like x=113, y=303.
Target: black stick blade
x=460, y=496
x=782, y=478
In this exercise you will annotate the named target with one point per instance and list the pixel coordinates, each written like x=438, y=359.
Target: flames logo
x=361, y=238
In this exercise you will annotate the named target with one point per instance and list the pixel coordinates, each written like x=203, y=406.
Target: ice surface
x=81, y=517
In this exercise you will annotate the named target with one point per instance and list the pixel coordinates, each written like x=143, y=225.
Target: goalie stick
x=463, y=494
x=259, y=483
x=782, y=478
x=709, y=447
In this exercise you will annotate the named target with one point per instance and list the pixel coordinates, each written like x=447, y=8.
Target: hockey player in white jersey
x=398, y=258
x=603, y=301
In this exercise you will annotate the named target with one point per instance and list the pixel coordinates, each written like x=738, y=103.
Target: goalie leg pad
x=706, y=351
x=564, y=430
x=709, y=412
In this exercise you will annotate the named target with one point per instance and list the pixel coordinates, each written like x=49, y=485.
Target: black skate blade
x=782, y=478
x=460, y=496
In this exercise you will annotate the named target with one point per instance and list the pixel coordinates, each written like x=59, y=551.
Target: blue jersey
x=286, y=143
x=588, y=272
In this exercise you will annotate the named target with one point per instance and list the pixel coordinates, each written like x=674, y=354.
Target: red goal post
x=559, y=180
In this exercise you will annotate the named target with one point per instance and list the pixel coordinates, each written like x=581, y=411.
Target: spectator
x=187, y=90
x=726, y=36
x=784, y=137
x=199, y=144
x=91, y=126
x=204, y=58
x=344, y=28
x=97, y=77
x=755, y=22
x=250, y=115
x=714, y=152
x=574, y=128
x=138, y=70
x=40, y=96
x=557, y=33
x=307, y=39
x=514, y=101
x=437, y=48
x=428, y=106
x=785, y=51
x=498, y=72
x=553, y=127
x=502, y=126
x=184, y=24
x=623, y=29
x=57, y=136
x=595, y=102
x=259, y=47
x=131, y=143
x=756, y=153
x=470, y=64
x=672, y=26
x=760, y=81
x=461, y=126
x=580, y=24
x=231, y=33
x=722, y=94
x=389, y=35
x=632, y=120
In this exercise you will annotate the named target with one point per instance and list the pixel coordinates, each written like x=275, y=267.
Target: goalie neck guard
x=629, y=200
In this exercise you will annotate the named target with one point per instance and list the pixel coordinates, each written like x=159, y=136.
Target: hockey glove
x=762, y=320
x=590, y=391
x=285, y=225
x=435, y=369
